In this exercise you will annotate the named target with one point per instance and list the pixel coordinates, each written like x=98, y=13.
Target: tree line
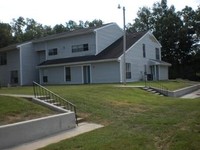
x=179, y=34
x=177, y=31
x=21, y=29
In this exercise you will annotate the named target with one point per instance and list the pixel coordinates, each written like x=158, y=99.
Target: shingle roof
x=69, y=33
x=10, y=47
x=113, y=51
x=159, y=62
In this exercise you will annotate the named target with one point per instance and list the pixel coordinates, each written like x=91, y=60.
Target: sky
x=52, y=12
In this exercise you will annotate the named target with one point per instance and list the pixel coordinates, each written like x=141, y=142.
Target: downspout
x=20, y=66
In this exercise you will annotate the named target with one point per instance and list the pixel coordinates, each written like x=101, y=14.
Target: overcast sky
x=51, y=12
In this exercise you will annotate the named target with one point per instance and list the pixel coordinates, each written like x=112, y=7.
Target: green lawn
x=14, y=109
x=133, y=118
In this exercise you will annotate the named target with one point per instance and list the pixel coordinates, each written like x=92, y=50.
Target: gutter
x=79, y=63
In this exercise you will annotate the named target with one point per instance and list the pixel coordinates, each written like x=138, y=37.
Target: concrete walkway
x=192, y=95
x=82, y=128
x=18, y=95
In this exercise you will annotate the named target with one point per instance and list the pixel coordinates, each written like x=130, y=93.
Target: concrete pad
x=192, y=95
x=82, y=128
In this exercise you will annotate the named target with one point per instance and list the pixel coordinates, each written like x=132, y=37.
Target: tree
x=18, y=29
x=5, y=34
x=59, y=28
x=174, y=30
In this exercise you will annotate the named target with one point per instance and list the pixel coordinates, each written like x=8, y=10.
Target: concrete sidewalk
x=82, y=128
x=192, y=95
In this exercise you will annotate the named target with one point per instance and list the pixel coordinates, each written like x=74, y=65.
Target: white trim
x=82, y=74
x=155, y=38
x=19, y=46
x=79, y=63
x=134, y=45
x=64, y=77
x=139, y=41
x=110, y=24
x=20, y=66
x=90, y=73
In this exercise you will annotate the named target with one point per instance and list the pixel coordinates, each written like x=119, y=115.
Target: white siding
x=106, y=35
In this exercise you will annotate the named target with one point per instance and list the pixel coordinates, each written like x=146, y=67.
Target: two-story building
x=90, y=55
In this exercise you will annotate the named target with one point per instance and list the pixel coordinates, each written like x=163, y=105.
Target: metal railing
x=156, y=85
x=45, y=94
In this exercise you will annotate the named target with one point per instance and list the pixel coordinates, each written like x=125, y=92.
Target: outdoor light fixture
x=124, y=46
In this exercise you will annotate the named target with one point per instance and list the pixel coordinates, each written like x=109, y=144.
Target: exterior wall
x=163, y=73
x=106, y=35
x=13, y=59
x=55, y=75
x=29, y=60
x=134, y=56
x=64, y=46
x=107, y=72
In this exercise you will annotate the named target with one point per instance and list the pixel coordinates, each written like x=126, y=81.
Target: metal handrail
x=163, y=89
x=42, y=93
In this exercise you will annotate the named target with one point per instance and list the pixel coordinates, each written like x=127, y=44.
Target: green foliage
x=18, y=109
x=5, y=34
x=133, y=118
x=178, y=33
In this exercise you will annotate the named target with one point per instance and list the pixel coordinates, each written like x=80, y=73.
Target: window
x=68, y=74
x=128, y=70
x=3, y=58
x=80, y=48
x=53, y=51
x=157, y=54
x=45, y=79
x=144, y=50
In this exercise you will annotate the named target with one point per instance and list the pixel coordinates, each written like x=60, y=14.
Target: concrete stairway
x=153, y=91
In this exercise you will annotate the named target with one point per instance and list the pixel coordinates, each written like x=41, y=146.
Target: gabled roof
x=10, y=47
x=114, y=51
x=159, y=62
x=69, y=33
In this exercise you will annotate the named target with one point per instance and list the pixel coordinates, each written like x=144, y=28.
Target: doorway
x=86, y=74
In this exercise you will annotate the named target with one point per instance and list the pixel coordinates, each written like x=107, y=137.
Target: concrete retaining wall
x=183, y=91
x=22, y=132
x=179, y=92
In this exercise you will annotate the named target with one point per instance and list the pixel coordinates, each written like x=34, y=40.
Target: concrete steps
x=148, y=89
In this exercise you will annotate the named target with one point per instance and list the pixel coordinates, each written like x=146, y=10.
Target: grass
x=133, y=119
x=14, y=109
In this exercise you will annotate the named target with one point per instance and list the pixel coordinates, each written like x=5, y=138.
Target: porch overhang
x=153, y=62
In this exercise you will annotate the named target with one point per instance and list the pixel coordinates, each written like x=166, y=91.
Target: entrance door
x=86, y=74
x=14, y=77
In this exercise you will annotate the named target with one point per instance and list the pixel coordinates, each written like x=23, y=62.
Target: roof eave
x=78, y=63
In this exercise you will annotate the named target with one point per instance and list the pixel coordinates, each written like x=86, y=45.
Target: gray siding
x=55, y=75
x=64, y=46
x=13, y=60
x=29, y=61
x=105, y=36
x=163, y=73
x=107, y=72
x=135, y=56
